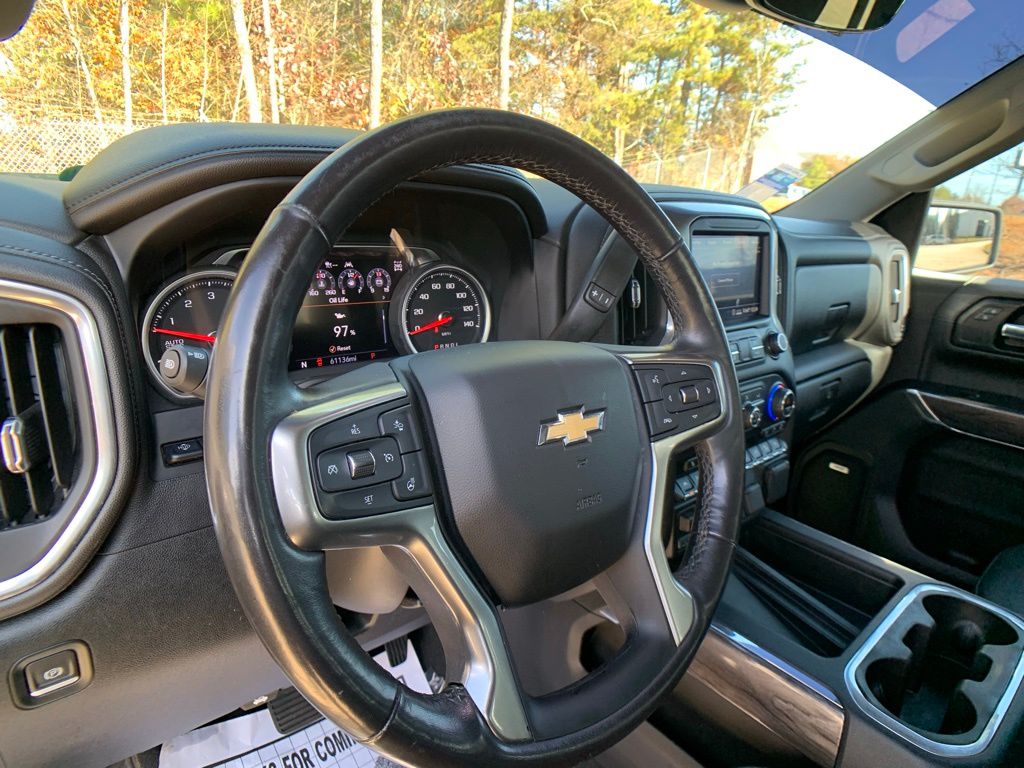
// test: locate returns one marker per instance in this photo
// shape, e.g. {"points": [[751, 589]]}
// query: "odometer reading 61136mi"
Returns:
{"points": [[446, 307]]}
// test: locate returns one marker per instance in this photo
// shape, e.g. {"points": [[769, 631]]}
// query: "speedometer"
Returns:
{"points": [[187, 311], [445, 307]]}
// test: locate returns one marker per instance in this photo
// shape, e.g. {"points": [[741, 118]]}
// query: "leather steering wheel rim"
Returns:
{"points": [[281, 586]]}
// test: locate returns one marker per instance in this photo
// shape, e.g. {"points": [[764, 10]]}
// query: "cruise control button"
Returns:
{"points": [[659, 419], [414, 482], [372, 500], [335, 473], [650, 381], [360, 464], [399, 424]]}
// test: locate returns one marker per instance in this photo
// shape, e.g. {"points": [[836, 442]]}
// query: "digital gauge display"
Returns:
{"points": [[344, 317]]}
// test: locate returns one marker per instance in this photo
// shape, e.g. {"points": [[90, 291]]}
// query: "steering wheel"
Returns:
{"points": [[549, 465]]}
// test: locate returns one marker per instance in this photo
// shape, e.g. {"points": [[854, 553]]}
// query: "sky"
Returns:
{"points": [[841, 106]]}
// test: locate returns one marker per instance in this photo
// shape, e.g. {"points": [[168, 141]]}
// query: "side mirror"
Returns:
{"points": [[831, 15], [959, 237]]}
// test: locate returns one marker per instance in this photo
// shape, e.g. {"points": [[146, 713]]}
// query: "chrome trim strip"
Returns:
{"points": [[99, 409], [486, 669], [895, 726], [676, 601]]}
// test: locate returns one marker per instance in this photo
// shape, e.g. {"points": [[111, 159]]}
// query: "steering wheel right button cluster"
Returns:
{"points": [[677, 396]]}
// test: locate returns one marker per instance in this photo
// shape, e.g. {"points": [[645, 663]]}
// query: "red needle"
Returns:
{"points": [[186, 335], [433, 325]]}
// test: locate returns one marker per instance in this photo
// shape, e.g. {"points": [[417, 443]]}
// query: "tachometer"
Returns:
{"points": [[444, 307], [187, 311]]}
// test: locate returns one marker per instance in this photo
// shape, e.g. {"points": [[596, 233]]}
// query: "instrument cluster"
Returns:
{"points": [[364, 303]]}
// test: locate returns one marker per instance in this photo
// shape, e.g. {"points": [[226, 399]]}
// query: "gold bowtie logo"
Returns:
{"points": [[571, 427]]}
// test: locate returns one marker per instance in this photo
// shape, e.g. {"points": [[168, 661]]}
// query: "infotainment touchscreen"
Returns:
{"points": [[731, 268]]}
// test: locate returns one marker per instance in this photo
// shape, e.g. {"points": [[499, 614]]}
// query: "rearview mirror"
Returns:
{"points": [[833, 15], [13, 15], [959, 237]]}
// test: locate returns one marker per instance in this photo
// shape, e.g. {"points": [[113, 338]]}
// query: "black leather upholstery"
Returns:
{"points": [[249, 392], [1003, 580]]}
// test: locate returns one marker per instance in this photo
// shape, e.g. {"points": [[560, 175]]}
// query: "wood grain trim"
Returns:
{"points": [[778, 700], [975, 419]]}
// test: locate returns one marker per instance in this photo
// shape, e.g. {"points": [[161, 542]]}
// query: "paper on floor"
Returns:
{"points": [[252, 741]]}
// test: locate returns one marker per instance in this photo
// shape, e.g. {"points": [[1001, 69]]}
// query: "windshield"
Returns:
{"points": [[674, 92]]}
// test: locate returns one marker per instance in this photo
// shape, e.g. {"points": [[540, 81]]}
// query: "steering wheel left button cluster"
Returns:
{"points": [[369, 462]]}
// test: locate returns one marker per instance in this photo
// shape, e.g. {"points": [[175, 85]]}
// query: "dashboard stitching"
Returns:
{"points": [[101, 284], [298, 148]]}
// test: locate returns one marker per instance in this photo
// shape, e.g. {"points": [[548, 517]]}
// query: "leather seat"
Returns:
{"points": [[1003, 580]]}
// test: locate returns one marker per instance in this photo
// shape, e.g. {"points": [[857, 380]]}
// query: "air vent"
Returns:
{"points": [[642, 312], [38, 437]]}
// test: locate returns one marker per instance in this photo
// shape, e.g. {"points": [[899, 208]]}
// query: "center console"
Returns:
{"points": [[822, 653], [736, 250]]}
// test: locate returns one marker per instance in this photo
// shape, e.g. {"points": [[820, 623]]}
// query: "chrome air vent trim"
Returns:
{"points": [[95, 477]]}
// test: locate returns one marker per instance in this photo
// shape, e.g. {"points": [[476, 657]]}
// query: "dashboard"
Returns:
{"points": [[461, 256], [372, 302]]}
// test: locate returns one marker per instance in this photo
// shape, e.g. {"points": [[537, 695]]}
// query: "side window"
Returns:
{"points": [[976, 221]]}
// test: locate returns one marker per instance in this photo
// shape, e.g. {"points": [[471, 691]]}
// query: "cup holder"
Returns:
{"points": [[941, 666]]}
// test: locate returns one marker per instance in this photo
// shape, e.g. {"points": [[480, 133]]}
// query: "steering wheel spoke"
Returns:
{"points": [[338, 420]]}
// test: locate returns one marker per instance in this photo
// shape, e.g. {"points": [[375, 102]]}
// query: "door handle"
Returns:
{"points": [[1013, 334]]}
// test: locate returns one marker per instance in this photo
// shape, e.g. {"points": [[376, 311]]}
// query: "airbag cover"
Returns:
{"points": [[538, 519]]}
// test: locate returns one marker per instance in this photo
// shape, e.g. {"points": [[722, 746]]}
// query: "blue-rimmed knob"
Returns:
{"points": [[781, 402]]}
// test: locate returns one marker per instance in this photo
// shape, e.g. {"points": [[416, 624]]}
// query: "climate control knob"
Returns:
{"points": [[752, 416], [781, 402]]}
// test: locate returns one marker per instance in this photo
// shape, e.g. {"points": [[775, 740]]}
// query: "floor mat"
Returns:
{"points": [[252, 741]]}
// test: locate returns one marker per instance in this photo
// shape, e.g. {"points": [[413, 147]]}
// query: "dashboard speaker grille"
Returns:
{"points": [[38, 437]]}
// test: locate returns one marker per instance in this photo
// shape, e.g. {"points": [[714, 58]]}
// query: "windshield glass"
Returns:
{"points": [[676, 93]]}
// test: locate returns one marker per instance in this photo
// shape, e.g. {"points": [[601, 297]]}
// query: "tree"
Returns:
{"points": [[248, 71], [268, 31], [163, 62], [508, 10], [376, 59], [126, 68], [819, 168], [74, 35]]}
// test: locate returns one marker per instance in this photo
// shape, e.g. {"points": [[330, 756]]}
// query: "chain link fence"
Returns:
{"points": [[49, 140]]}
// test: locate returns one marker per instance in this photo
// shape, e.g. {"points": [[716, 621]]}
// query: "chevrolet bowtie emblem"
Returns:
{"points": [[571, 427]]}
